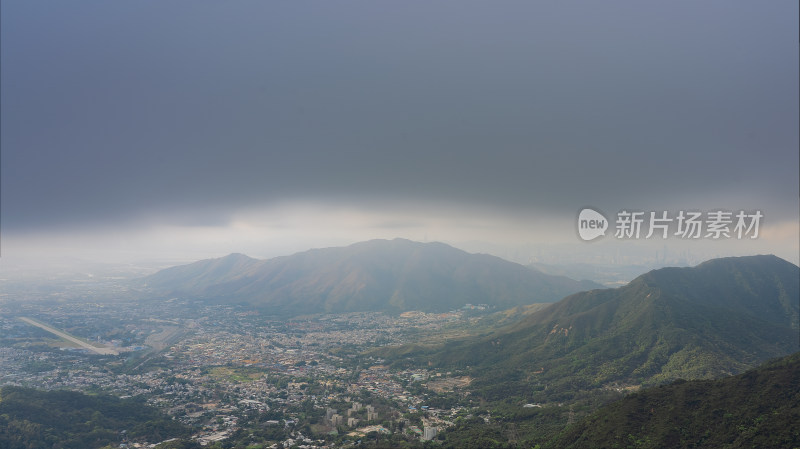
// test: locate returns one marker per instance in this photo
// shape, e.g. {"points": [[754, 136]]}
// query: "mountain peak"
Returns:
{"points": [[203, 273], [749, 260], [376, 275], [237, 257], [740, 283], [720, 317]]}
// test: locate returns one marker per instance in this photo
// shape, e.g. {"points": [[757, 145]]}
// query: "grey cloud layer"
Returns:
{"points": [[191, 111]]}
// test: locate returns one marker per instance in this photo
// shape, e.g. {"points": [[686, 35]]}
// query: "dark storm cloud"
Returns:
{"points": [[189, 111]]}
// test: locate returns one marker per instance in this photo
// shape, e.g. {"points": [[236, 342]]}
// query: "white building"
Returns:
{"points": [[429, 433]]}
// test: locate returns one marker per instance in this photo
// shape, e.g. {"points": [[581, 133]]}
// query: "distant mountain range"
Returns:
{"points": [[756, 409], [378, 275], [719, 318], [608, 274]]}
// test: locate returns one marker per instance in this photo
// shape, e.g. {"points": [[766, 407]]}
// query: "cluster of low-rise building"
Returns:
{"points": [[229, 366]]}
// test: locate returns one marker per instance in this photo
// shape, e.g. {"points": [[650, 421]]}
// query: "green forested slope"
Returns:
{"points": [[717, 319], [378, 275], [760, 408], [33, 419]]}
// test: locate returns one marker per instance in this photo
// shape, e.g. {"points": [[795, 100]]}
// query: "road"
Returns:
{"points": [[65, 336]]}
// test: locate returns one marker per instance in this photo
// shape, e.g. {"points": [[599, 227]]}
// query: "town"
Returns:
{"points": [[232, 374]]}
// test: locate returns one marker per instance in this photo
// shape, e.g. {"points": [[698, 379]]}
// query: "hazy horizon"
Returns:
{"points": [[148, 131]]}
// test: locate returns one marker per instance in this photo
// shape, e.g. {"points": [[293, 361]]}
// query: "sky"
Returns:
{"points": [[192, 129]]}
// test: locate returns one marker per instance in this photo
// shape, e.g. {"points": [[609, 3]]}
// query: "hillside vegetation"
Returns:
{"points": [[33, 419], [760, 408], [719, 318], [378, 275]]}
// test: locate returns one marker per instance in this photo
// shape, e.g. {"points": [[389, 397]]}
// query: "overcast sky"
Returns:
{"points": [[204, 127]]}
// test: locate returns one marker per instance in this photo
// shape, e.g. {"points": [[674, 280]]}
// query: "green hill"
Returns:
{"points": [[378, 275], [760, 408], [33, 419], [719, 318]]}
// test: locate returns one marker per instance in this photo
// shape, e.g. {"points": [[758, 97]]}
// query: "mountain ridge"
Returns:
{"points": [[378, 275], [665, 324]]}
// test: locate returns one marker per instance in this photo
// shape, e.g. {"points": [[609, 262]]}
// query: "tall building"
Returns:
{"points": [[371, 414], [429, 433]]}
